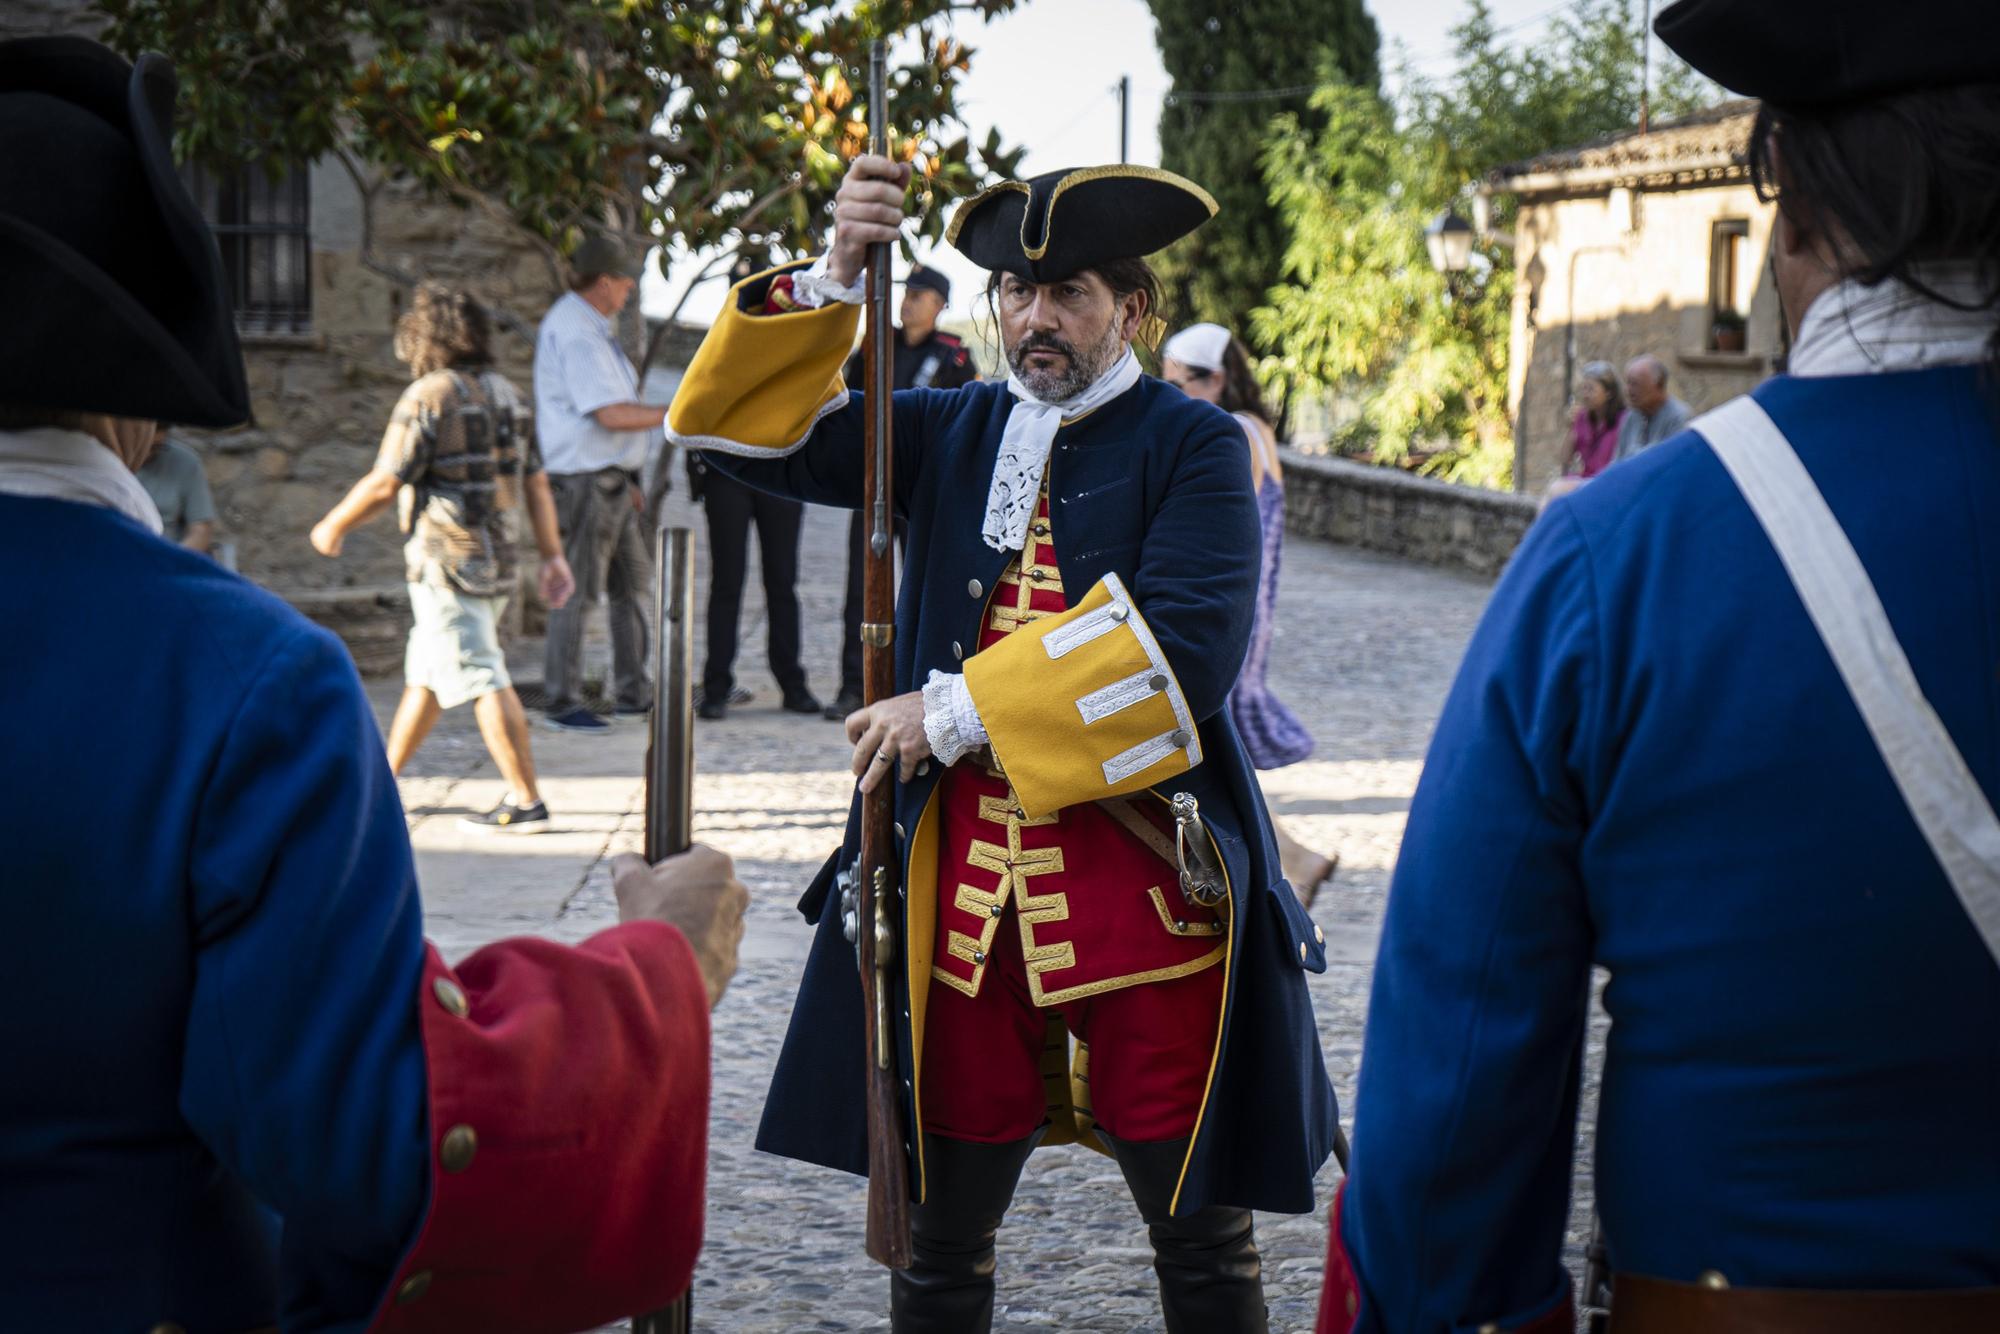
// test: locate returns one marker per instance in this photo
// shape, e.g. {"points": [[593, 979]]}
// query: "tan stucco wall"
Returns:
{"points": [[1641, 284]]}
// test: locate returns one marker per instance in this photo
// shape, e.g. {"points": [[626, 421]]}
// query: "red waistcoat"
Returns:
{"points": [[1096, 899]]}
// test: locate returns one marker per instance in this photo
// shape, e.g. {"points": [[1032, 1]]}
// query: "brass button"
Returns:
{"points": [[1157, 681], [1181, 739], [974, 587], [1353, 1302], [414, 1287], [455, 1153], [995, 910], [899, 829], [923, 767], [167, 1327], [1304, 953], [1712, 1279], [452, 996], [957, 650], [1119, 611], [1319, 935], [1489, 1328], [979, 956], [1180, 924], [1020, 814]]}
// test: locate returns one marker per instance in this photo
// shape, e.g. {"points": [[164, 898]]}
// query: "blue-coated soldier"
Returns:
{"points": [[1730, 731]]}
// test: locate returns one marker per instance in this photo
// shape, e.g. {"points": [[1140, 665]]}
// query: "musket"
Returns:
{"points": [[670, 764], [876, 870]]}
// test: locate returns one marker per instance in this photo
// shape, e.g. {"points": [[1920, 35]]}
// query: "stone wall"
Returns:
{"points": [[1401, 514]]}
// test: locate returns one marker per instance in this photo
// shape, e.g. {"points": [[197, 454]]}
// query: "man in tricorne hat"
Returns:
{"points": [[1731, 731], [1082, 563], [926, 358], [241, 1090], [596, 437]]}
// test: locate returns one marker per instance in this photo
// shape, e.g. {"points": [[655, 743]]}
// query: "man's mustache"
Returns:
{"points": [[1044, 343]]}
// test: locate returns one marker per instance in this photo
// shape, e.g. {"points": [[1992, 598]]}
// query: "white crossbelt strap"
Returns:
{"points": [[1950, 809]]}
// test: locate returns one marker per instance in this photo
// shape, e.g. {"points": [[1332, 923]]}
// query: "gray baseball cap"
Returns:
{"points": [[601, 254]]}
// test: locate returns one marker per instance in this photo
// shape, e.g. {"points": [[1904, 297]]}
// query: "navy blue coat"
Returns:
{"points": [[1649, 763], [1155, 488]]}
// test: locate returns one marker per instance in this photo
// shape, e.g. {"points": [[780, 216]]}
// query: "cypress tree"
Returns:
{"points": [[1216, 52]]}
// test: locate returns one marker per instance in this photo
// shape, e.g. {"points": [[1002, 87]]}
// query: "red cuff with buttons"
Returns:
{"points": [[1341, 1302], [568, 1101]]}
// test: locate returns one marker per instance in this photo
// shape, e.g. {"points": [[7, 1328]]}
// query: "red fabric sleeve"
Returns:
{"points": [[569, 1135], [1340, 1293]]}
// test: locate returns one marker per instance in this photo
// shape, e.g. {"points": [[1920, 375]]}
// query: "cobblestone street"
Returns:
{"points": [[1366, 648]]}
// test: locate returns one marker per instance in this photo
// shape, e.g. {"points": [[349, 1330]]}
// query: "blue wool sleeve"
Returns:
{"points": [[1466, 1113], [304, 1064]]}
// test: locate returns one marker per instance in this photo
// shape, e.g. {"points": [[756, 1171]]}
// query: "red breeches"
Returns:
{"points": [[1150, 1050]]}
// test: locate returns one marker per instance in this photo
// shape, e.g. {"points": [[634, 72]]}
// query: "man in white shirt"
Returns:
{"points": [[595, 436]]}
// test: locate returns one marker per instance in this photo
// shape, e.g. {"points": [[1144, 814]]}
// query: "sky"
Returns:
{"points": [[1044, 75]]}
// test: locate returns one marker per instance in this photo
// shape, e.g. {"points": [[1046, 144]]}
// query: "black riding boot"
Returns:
{"points": [[1211, 1281], [948, 1289]]}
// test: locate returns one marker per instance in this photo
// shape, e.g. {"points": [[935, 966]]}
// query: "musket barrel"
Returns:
{"points": [[670, 754]]}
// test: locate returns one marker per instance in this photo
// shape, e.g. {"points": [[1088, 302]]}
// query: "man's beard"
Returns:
{"points": [[1080, 369]]}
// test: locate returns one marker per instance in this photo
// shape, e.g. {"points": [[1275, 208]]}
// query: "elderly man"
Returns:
{"points": [[595, 436], [1731, 730], [242, 1091], [1083, 547], [1655, 414], [174, 478]]}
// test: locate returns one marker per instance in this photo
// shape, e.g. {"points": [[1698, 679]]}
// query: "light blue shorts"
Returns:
{"points": [[454, 649]]}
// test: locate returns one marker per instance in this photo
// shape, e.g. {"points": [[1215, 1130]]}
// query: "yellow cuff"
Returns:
{"points": [[1083, 706], [760, 383]]}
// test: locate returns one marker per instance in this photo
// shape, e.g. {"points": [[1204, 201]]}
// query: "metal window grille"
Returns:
{"points": [[263, 227]]}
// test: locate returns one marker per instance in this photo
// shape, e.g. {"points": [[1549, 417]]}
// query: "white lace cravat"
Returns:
{"points": [[1024, 450]]}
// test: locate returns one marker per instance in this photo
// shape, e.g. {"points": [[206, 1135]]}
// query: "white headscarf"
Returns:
{"points": [[1202, 346], [69, 465], [1024, 450]]}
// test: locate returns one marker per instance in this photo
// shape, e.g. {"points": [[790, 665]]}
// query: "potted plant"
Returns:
{"points": [[1730, 332]]}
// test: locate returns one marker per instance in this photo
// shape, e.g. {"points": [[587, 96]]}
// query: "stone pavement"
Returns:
{"points": [[1366, 648]]}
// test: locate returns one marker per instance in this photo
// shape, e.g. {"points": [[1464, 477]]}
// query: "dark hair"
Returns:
{"points": [[443, 327], [1606, 376], [1240, 390], [1123, 277], [1902, 180]]}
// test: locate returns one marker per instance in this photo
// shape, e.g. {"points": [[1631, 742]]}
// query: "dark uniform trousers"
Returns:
{"points": [[731, 508]]}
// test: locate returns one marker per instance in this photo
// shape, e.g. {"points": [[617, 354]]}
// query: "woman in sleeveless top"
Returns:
{"points": [[1204, 361]]}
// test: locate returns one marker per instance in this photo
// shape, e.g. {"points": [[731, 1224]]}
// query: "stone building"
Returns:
{"points": [[318, 268], [1638, 243]]}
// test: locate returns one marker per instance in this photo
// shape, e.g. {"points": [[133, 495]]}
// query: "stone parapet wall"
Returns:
{"points": [[1402, 514]]}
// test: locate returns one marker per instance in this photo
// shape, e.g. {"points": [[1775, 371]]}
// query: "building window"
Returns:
{"points": [[263, 226], [1732, 282]]}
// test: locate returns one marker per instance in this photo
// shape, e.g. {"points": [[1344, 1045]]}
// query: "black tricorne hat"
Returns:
{"points": [[1062, 222], [929, 280], [1807, 53], [111, 291]]}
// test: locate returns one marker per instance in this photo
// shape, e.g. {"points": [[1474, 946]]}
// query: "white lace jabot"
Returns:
{"points": [[1024, 450]]}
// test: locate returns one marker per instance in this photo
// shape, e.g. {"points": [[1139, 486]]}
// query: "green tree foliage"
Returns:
{"points": [[685, 123], [1362, 312], [1231, 63]]}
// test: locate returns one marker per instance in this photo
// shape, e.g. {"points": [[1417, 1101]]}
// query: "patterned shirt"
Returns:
{"points": [[462, 443]]}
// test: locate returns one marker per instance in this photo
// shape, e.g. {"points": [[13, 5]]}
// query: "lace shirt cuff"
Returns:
{"points": [[813, 289], [951, 720]]}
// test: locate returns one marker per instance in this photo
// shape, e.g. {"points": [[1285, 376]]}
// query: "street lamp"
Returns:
{"points": [[1450, 238]]}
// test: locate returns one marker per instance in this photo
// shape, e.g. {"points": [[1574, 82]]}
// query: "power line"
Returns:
{"points": [[1243, 95]]}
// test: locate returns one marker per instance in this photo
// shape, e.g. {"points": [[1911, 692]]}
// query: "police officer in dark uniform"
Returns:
{"points": [[926, 358]]}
